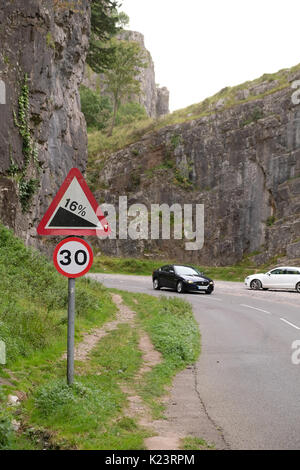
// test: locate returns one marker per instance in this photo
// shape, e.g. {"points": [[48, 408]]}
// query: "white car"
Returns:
{"points": [[285, 277]]}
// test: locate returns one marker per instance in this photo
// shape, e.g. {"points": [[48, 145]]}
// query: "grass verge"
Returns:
{"points": [[174, 332], [92, 413], [235, 273]]}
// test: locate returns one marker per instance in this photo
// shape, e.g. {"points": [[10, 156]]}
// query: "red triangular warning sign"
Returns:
{"points": [[74, 210]]}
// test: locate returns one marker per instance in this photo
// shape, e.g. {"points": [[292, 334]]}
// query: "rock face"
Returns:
{"points": [[47, 42], [154, 99], [242, 162]]}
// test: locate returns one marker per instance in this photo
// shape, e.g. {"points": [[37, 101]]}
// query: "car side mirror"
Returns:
{"points": [[269, 274], [172, 272]]}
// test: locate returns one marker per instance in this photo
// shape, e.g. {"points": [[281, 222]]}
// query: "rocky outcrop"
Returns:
{"points": [[44, 43], [241, 161], [154, 99]]}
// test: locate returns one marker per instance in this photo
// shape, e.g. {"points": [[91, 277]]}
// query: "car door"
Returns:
{"points": [[171, 278], [292, 277], [276, 278], [163, 281]]}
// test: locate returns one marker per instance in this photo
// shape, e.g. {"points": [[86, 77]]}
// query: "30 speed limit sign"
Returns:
{"points": [[73, 257]]}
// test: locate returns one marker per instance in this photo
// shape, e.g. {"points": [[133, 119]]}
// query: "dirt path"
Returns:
{"points": [[91, 339], [183, 417], [137, 409]]}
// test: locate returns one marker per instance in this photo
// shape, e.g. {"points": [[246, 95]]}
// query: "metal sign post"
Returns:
{"points": [[71, 330], [73, 211], [73, 257]]}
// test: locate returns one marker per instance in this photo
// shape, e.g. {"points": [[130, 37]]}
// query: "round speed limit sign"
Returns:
{"points": [[73, 257]]}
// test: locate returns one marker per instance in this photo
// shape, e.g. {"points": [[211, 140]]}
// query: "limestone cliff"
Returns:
{"points": [[154, 99], [240, 158], [43, 46]]}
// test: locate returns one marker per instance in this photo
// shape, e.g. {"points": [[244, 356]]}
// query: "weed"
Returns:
{"points": [[6, 431], [271, 220], [195, 443]]}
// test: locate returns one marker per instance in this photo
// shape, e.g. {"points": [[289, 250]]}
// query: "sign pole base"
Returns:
{"points": [[71, 330]]}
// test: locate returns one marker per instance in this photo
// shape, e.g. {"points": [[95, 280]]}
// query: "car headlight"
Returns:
{"points": [[190, 282], [211, 282]]}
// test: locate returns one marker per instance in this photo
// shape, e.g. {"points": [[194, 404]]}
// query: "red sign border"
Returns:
{"points": [[74, 172], [73, 239]]}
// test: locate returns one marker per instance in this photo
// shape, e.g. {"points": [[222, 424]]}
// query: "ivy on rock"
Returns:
{"points": [[27, 186]]}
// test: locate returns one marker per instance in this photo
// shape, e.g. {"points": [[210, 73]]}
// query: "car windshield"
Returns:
{"points": [[186, 270]]}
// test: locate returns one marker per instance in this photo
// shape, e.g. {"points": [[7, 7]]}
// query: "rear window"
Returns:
{"points": [[292, 271]]}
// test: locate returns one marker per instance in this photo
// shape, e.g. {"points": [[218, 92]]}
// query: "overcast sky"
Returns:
{"points": [[199, 47]]}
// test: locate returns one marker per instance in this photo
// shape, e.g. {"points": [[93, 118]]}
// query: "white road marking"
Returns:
{"points": [[255, 308], [289, 323]]}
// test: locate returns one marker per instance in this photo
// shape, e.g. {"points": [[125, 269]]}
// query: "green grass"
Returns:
{"points": [[33, 300], [91, 414], [33, 317], [195, 443], [236, 273], [174, 332]]}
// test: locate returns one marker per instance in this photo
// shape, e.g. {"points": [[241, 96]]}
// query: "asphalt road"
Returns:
{"points": [[245, 376]]}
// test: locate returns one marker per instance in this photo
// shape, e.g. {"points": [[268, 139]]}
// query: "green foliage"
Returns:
{"points": [[121, 78], [89, 414], [33, 299], [130, 112], [99, 144], [22, 121], [104, 25], [255, 116], [196, 443], [145, 267], [14, 169], [182, 180], [174, 332], [96, 109], [55, 394], [6, 431], [49, 40], [271, 220], [27, 187], [175, 141]]}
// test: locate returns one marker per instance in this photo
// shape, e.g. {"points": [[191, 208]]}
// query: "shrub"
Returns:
{"points": [[56, 394], [130, 112], [96, 109], [6, 431]]}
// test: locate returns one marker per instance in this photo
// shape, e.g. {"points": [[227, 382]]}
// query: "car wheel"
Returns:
{"points": [[156, 285], [208, 292], [179, 287], [298, 287], [255, 284]]}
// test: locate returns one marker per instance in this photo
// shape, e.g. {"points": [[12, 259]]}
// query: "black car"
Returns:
{"points": [[182, 279]]}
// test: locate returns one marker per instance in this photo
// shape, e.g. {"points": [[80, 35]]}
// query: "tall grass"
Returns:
{"points": [[33, 298]]}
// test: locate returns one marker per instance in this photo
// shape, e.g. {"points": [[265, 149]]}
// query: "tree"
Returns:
{"points": [[121, 79], [106, 22], [96, 109]]}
